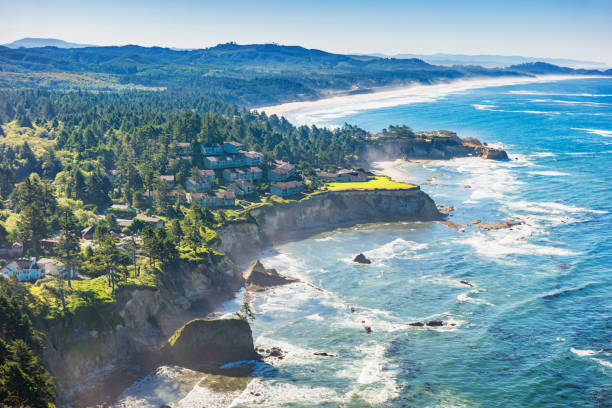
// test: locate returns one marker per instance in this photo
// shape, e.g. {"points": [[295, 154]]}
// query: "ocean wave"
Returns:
{"points": [[520, 92], [550, 207], [602, 362], [467, 297], [584, 353], [320, 111], [398, 248], [549, 173], [569, 102], [511, 244], [600, 132]]}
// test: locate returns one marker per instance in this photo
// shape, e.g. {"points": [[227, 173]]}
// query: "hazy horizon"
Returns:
{"points": [[549, 29]]}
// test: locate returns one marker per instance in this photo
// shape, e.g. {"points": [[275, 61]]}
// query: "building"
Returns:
{"points": [[282, 171], [224, 161], [23, 269], [168, 179], [230, 175], [11, 250], [254, 174], [153, 221], [88, 232], [181, 148], [344, 176], [187, 159], [211, 150], [197, 186], [252, 158], [54, 267], [232, 147], [209, 175], [219, 199], [241, 188], [287, 189]]}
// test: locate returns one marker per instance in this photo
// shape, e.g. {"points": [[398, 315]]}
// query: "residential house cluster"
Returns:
{"points": [[345, 176]]}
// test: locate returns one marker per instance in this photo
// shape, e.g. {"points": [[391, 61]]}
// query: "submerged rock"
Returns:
{"points": [[434, 323], [416, 324], [361, 258], [500, 225], [259, 278], [368, 329], [210, 343], [323, 354], [466, 283]]}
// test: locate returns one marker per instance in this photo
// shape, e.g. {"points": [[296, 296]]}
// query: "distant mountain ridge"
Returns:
{"points": [[494, 61], [249, 75], [29, 42]]}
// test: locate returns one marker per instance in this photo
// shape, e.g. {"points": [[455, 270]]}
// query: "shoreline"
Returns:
{"points": [[318, 111]]}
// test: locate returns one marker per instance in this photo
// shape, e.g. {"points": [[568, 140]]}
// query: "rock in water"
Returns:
{"points": [[361, 258], [434, 323], [210, 343], [260, 278]]}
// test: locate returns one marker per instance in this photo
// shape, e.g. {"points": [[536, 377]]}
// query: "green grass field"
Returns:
{"points": [[379, 183]]}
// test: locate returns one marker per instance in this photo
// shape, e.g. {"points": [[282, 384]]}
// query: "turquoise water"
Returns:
{"points": [[536, 329]]}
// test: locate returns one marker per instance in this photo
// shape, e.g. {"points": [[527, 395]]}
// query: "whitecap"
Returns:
{"points": [[602, 362], [549, 173], [466, 297], [600, 132], [522, 92], [398, 248], [584, 353]]}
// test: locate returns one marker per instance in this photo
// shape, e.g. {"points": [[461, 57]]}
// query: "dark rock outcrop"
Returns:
{"points": [[500, 225], [361, 258], [259, 278], [210, 343], [438, 145]]}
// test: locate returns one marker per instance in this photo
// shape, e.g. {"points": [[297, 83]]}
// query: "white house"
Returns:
{"points": [[23, 269], [53, 267]]}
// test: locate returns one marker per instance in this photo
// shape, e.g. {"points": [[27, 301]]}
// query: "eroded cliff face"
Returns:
{"points": [[440, 145], [322, 212], [87, 353]]}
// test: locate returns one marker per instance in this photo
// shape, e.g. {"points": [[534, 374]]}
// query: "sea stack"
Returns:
{"points": [[361, 258]]}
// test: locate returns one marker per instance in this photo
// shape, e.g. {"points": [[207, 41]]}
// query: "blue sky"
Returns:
{"points": [[580, 29]]}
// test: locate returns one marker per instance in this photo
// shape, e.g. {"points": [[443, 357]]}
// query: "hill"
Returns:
{"points": [[43, 42], [248, 75]]}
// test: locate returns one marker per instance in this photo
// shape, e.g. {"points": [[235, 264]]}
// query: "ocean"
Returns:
{"points": [[535, 327]]}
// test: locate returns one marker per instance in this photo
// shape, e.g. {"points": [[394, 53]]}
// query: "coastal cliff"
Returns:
{"points": [[439, 145], [89, 355], [321, 212]]}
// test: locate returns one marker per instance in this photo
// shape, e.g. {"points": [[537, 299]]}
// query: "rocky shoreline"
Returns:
{"points": [[124, 340]]}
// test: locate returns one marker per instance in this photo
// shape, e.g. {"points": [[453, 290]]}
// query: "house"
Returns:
{"points": [[181, 148], [223, 162], [232, 147], [123, 222], [114, 175], [209, 175], [153, 221], [226, 198], [197, 186], [254, 174], [11, 250], [287, 188], [241, 188], [187, 159], [23, 269], [168, 179], [252, 158], [54, 267], [49, 244], [281, 172], [230, 175], [88, 232], [219, 199], [211, 150], [344, 176]]}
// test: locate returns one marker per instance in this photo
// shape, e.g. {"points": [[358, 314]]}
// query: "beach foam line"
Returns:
{"points": [[318, 111], [520, 92]]}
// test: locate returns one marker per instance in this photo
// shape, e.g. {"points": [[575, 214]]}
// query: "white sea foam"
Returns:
{"points": [[520, 92], [584, 353], [317, 112], [550, 207], [549, 173], [467, 297], [600, 132], [543, 154], [603, 362], [398, 248]]}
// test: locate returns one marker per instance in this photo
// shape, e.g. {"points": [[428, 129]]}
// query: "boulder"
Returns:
{"points": [[260, 278], [466, 283], [434, 323], [210, 343], [500, 225], [416, 324], [361, 258]]}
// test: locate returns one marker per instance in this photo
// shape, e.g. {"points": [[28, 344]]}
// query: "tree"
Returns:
{"points": [[245, 312], [69, 242], [32, 228]]}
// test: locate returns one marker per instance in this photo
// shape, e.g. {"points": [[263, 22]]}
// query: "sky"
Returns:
{"points": [[578, 29]]}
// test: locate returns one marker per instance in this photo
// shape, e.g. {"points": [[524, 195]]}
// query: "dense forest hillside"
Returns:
{"points": [[248, 75]]}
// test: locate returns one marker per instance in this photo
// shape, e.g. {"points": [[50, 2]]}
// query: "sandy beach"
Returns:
{"points": [[321, 111]]}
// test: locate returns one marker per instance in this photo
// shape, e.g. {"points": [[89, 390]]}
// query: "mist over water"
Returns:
{"points": [[536, 327]]}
